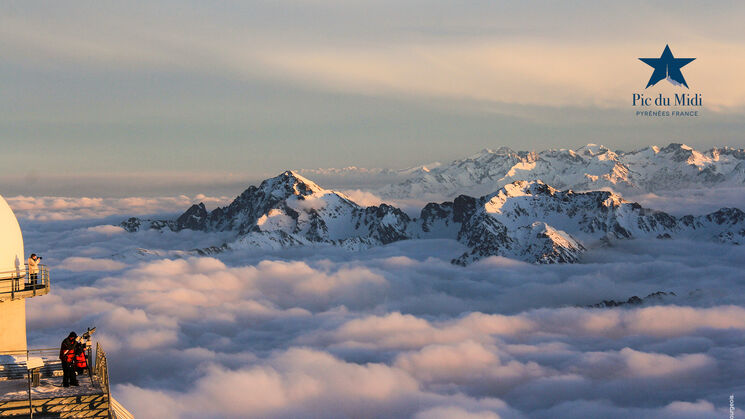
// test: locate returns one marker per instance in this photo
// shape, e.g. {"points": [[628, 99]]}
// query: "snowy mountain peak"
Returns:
{"points": [[290, 183], [593, 150], [524, 188]]}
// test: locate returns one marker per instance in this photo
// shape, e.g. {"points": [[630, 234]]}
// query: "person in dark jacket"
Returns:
{"points": [[67, 356]]}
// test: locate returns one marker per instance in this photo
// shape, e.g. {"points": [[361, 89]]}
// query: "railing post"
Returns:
{"points": [[28, 373]]}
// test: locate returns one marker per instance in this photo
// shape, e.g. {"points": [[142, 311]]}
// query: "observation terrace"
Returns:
{"points": [[38, 392], [17, 284]]}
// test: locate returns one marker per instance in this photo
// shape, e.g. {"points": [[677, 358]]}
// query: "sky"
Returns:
{"points": [[152, 98]]}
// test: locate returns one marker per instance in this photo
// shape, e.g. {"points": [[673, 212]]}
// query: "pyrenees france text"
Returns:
{"points": [[691, 101]]}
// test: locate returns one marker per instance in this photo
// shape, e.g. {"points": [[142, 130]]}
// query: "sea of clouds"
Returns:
{"points": [[395, 331]]}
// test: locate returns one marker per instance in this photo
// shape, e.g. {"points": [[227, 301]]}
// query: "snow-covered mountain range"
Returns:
{"points": [[592, 167], [530, 221]]}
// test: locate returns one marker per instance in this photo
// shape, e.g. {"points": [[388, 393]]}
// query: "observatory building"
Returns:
{"points": [[15, 284], [31, 379]]}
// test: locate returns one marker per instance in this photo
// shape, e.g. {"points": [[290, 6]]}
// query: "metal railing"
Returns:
{"points": [[32, 352], [20, 283], [98, 372], [118, 411], [101, 373], [11, 371], [101, 368]]}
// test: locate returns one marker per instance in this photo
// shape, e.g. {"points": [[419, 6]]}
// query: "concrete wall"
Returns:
{"points": [[12, 258], [13, 325]]}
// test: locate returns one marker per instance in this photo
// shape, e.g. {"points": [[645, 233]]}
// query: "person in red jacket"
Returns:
{"points": [[67, 356], [81, 362]]}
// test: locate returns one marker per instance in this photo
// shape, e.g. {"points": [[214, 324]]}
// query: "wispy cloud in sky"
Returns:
{"points": [[520, 66], [259, 87]]}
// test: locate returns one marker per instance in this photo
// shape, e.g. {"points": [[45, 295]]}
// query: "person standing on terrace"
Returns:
{"points": [[67, 356], [33, 268]]}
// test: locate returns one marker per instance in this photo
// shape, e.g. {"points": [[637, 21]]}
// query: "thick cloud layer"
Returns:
{"points": [[395, 331], [48, 208]]}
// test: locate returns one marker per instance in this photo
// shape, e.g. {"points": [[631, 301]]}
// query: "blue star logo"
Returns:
{"points": [[667, 67]]}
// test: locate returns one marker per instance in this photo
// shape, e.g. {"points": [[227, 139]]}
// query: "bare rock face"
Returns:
{"points": [[195, 218], [655, 297], [525, 220]]}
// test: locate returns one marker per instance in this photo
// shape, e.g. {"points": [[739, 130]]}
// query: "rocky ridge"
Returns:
{"points": [[529, 221]]}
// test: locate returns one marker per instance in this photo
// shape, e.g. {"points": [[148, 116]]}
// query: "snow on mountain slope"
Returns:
{"points": [[592, 167], [295, 206], [529, 221]]}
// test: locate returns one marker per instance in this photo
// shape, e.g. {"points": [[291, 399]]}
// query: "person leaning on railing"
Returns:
{"points": [[33, 268]]}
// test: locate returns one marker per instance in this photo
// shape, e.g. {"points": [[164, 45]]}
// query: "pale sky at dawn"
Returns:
{"points": [[114, 98]]}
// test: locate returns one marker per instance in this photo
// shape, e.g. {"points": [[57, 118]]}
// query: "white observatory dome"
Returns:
{"points": [[11, 240]]}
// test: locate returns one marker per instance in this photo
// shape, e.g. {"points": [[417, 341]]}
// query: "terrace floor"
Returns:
{"points": [[49, 387]]}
